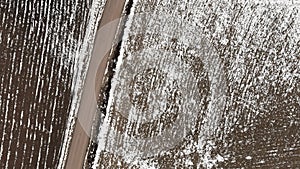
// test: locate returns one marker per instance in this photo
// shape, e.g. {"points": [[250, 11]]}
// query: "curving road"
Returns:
{"points": [[87, 109]]}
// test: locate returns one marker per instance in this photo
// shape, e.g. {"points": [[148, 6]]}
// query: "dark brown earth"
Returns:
{"points": [[35, 80]]}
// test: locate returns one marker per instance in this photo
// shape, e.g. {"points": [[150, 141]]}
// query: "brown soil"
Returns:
{"points": [[35, 84]]}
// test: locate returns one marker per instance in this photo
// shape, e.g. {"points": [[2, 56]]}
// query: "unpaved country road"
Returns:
{"points": [[87, 109]]}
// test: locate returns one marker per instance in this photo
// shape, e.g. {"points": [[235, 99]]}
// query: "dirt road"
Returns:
{"points": [[104, 39]]}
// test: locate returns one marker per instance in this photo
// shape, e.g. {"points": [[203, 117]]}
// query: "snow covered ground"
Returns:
{"points": [[192, 74]]}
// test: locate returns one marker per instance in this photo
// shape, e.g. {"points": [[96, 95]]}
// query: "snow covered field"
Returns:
{"points": [[205, 84]]}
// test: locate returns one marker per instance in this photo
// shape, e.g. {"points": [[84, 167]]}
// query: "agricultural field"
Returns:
{"points": [[204, 84], [149, 84], [43, 48]]}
